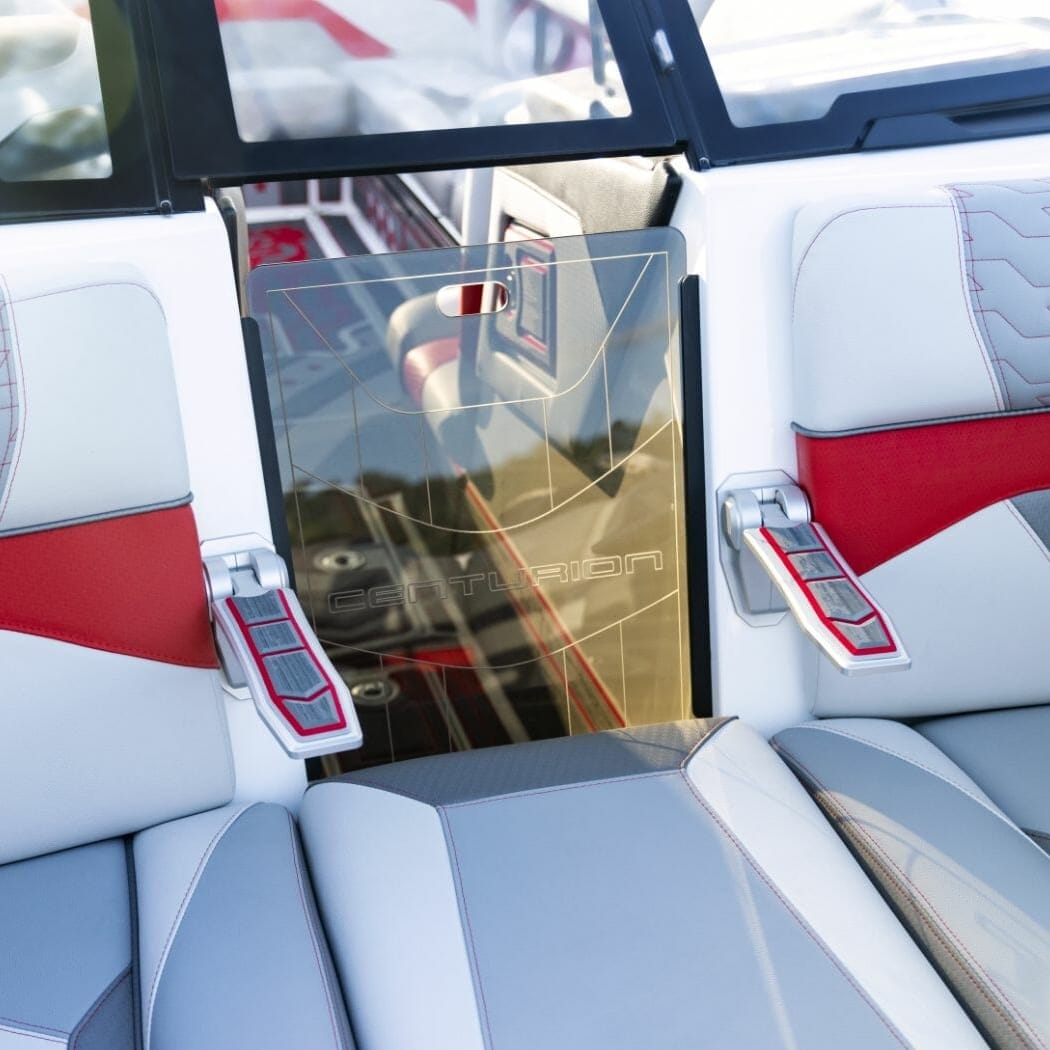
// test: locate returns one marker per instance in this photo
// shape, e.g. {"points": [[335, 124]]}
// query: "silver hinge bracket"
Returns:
{"points": [[750, 501]]}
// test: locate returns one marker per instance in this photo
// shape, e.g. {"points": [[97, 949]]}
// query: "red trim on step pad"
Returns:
{"points": [[131, 585], [880, 494]]}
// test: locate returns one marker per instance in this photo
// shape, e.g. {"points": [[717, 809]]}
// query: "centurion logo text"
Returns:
{"points": [[472, 583]]}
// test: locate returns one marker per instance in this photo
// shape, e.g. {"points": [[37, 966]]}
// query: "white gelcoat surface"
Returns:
{"points": [[738, 223]]}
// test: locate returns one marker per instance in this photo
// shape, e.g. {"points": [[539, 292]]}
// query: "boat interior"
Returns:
{"points": [[530, 554]]}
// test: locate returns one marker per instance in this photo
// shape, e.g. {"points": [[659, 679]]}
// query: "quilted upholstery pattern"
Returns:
{"points": [[10, 411], [1006, 246], [1006, 242]]}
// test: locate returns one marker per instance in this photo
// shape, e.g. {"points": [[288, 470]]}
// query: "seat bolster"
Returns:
{"points": [[371, 924], [971, 886], [1006, 751], [231, 949], [768, 811]]}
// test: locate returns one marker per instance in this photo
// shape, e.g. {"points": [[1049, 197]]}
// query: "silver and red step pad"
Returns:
{"points": [[827, 599], [268, 646]]}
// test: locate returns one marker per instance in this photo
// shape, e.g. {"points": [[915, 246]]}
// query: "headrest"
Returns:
{"points": [[110, 681], [921, 348], [89, 419], [884, 324]]}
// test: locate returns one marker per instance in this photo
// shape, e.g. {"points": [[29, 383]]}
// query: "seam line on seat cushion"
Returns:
{"points": [[1028, 530], [336, 1041], [58, 1040], [462, 898], [956, 947], [841, 215], [17, 349], [998, 814], [1041, 836], [810, 932], [718, 723], [180, 914], [973, 295], [42, 1031], [175, 503], [962, 231], [87, 286], [83, 1023]]}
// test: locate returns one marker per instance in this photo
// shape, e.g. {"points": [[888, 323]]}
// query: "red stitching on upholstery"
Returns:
{"points": [[337, 1042], [881, 858], [91, 284]]}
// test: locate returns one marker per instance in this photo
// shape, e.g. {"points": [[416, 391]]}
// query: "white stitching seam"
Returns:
{"points": [[926, 769], [44, 1038], [998, 393], [181, 913]]}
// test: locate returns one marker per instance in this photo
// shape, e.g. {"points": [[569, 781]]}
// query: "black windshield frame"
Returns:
{"points": [[135, 186], [205, 142], [962, 110]]}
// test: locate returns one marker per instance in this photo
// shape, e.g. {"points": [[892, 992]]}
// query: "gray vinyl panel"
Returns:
{"points": [[108, 1024], [618, 915], [65, 938], [973, 889], [1007, 753], [542, 764], [1034, 507], [249, 964]]}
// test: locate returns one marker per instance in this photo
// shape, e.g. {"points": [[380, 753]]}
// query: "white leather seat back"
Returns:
{"points": [[111, 717], [922, 378]]}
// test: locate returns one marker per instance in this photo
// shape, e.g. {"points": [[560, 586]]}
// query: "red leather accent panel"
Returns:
{"points": [[421, 361], [130, 585], [882, 493]]}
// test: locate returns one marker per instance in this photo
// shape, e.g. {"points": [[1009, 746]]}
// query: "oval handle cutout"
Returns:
{"points": [[468, 300]]}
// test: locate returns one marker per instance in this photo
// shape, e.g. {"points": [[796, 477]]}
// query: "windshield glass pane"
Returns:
{"points": [[778, 62], [52, 124], [324, 68], [481, 460]]}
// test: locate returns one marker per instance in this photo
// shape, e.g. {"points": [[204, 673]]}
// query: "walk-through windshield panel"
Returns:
{"points": [[52, 124], [778, 62], [265, 88], [486, 509], [416, 65]]}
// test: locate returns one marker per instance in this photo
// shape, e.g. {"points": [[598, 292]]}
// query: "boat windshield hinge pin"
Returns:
{"points": [[663, 52]]}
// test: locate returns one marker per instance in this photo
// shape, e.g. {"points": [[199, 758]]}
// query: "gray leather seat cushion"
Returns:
{"points": [[65, 951], [638, 888], [231, 952], [1006, 753], [971, 886]]}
